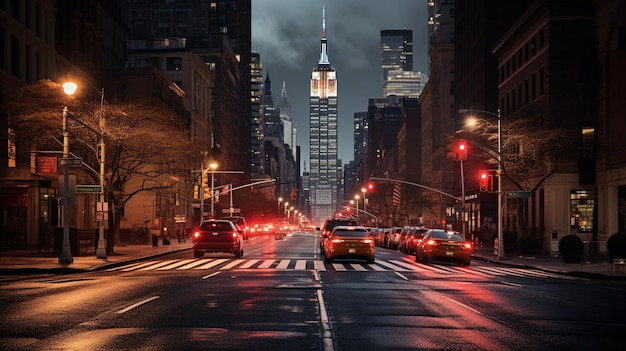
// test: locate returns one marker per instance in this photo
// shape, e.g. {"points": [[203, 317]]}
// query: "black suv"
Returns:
{"points": [[331, 223]]}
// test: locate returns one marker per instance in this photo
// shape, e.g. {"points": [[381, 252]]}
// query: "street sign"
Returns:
{"points": [[72, 161], [87, 188], [231, 210], [517, 194]]}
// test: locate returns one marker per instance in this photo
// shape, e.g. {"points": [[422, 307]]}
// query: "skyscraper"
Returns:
{"points": [[323, 138], [396, 51]]}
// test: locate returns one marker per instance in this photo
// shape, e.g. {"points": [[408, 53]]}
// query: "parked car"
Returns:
{"points": [[217, 236], [444, 245], [394, 238], [348, 242], [330, 224], [240, 222], [415, 236]]}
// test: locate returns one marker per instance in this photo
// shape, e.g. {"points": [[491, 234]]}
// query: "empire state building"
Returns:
{"points": [[323, 139]]}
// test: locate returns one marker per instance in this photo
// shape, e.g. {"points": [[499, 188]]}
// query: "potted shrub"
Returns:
{"points": [[528, 245], [616, 245], [571, 248]]}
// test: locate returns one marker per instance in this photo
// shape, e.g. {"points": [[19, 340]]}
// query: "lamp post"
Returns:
{"points": [[280, 199], [356, 200], [101, 252], [285, 212], [498, 174], [211, 169], [66, 253]]}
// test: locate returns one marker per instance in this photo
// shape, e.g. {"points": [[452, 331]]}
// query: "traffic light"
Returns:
{"points": [[370, 186], [483, 181], [206, 190], [461, 150], [450, 146]]}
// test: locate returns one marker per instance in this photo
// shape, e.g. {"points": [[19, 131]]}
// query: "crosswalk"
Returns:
{"points": [[223, 264]]}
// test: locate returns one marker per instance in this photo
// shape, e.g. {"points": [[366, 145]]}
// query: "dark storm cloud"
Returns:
{"points": [[287, 33]]}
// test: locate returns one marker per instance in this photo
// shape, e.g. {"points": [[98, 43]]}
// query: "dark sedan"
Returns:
{"points": [[217, 236]]}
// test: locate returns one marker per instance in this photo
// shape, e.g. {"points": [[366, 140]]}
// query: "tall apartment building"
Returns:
{"points": [[323, 138], [256, 120]]}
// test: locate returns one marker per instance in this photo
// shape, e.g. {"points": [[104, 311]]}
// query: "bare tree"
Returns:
{"points": [[147, 145]]}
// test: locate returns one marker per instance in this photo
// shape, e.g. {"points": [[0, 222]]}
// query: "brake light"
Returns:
{"points": [[431, 242], [467, 245], [367, 241], [196, 234], [234, 235], [336, 241]]}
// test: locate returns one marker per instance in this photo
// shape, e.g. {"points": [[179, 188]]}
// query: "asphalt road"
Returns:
{"points": [[281, 296]]}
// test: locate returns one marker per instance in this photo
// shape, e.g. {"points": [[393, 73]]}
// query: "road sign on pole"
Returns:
{"points": [[518, 194], [87, 188], [71, 161]]}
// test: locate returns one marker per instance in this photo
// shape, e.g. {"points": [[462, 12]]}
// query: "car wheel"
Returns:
{"points": [[239, 253], [466, 263], [371, 260], [328, 259], [197, 254]]}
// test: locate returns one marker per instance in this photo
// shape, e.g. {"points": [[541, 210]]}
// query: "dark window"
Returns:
{"points": [[15, 56], [174, 63], [542, 82]]}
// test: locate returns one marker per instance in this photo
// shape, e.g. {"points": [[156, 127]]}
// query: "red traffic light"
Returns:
{"points": [[370, 186], [461, 150], [483, 181]]}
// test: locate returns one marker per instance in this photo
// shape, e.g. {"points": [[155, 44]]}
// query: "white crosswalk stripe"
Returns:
{"points": [[404, 265]]}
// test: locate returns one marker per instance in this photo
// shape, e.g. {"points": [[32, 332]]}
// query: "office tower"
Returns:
{"points": [[396, 51], [256, 123], [323, 138], [289, 129]]}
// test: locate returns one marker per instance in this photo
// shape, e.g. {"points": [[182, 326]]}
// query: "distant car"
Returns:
{"points": [[261, 229], [217, 236], [443, 245], [349, 242], [240, 222], [330, 224]]}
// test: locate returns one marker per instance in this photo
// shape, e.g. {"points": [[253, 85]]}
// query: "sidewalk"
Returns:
{"points": [[29, 261], [594, 267]]}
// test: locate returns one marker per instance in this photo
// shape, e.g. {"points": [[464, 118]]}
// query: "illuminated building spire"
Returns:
{"points": [[323, 46]]}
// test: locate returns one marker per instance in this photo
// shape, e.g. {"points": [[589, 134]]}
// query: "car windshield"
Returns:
{"points": [[351, 233], [440, 234], [216, 226]]}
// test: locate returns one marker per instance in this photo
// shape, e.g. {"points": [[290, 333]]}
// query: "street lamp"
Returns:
{"points": [[285, 212], [280, 199], [498, 173], [66, 253], [211, 169], [356, 200]]}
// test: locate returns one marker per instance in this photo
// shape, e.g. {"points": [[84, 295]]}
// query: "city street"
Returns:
{"points": [[282, 296]]}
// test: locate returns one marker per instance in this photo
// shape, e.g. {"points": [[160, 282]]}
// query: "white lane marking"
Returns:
{"points": [[195, 263], [266, 264], [248, 264], [211, 275], [283, 264], [157, 265], [174, 265], [231, 264], [300, 264], [358, 267], [212, 263], [327, 335], [137, 304]]}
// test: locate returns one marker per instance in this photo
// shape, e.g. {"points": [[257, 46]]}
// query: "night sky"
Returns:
{"points": [[287, 34]]}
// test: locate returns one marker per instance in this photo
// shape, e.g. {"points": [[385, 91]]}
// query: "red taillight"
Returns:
{"points": [[234, 235], [196, 234], [467, 245], [367, 241], [431, 242], [336, 241]]}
